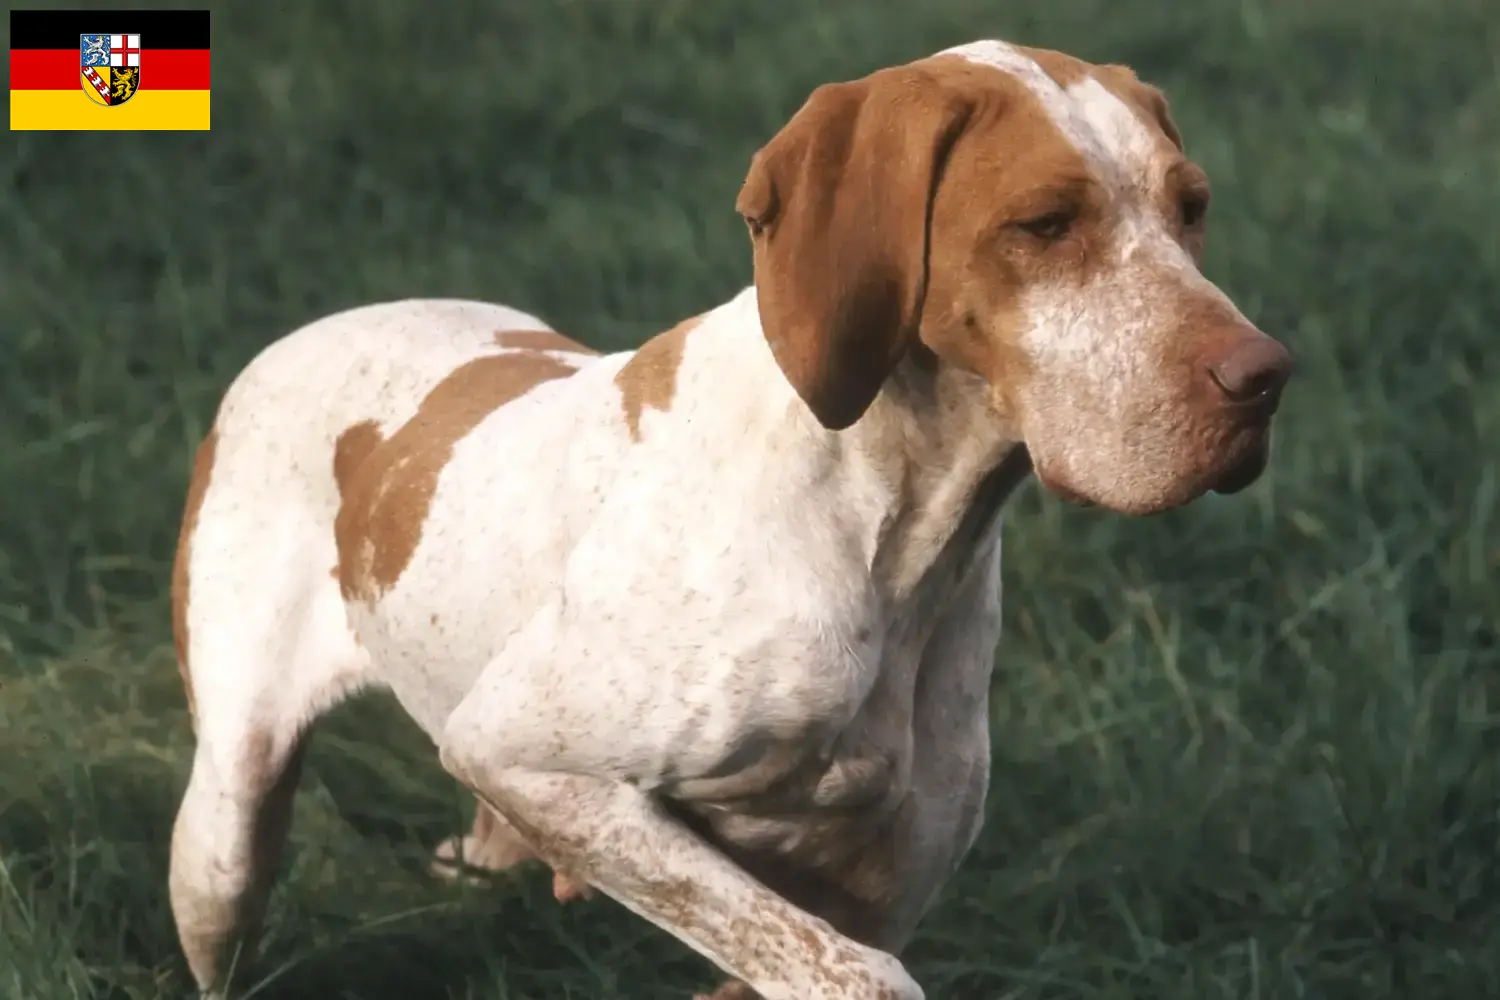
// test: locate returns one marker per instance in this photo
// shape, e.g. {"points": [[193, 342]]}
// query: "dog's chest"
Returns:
{"points": [[827, 830], [863, 832]]}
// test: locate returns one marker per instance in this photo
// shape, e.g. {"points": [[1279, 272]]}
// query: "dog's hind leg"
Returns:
{"points": [[226, 844], [264, 646]]}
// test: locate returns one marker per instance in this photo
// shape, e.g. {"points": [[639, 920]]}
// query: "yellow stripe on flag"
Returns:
{"points": [[72, 110]]}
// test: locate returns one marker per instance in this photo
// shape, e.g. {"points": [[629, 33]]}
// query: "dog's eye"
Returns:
{"points": [[1050, 227], [1194, 207]]}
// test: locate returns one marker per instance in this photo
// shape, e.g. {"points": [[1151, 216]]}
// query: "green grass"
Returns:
{"points": [[1243, 750]]}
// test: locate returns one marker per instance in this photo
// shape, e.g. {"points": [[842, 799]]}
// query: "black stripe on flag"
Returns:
{"points": [[59, 29]]}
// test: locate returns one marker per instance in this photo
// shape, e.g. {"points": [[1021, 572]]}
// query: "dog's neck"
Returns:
{"points": [[925, 470], [958, 460]]}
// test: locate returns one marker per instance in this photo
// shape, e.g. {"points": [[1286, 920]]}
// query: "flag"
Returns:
{"points": [[108, 69]]}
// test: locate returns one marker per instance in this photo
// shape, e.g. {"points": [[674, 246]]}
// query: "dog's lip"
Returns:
{"points": [[1243, 474], [1236, 482]]}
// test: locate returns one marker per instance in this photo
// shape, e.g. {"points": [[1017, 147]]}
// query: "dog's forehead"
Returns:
{"points": [[1114, 135]]}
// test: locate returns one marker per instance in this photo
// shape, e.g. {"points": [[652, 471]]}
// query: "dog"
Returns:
{"points": [[709, 626]]}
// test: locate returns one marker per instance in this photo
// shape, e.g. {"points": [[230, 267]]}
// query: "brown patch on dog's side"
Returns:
{"points": [[203, 464], [540, 340], [649, 378], [386, 497], [351, 450], [356, 444]]}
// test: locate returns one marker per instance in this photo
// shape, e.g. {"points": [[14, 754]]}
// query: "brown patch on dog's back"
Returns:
{"points": [[386, 497], [203, 464], [649, 378], [540, 340]]}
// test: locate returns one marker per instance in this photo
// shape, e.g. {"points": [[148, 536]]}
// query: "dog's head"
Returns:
{"points": [[1031, 219]]}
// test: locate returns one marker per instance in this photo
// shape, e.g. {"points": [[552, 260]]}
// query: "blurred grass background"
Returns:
{"points": [[1244, 750]]}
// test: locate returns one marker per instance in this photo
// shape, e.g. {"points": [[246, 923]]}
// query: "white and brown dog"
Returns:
{"points": [[709, 625]]}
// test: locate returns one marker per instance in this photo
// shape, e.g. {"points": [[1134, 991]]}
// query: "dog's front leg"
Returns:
{"points": [[617, 838]]}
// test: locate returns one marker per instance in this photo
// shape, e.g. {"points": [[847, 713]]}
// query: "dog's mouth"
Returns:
{"points": [[1246, 460], [1245, 470]]}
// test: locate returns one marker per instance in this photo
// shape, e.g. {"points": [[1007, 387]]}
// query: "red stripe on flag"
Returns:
{"points": [[174, 69], [59, 69], [43, 69]]}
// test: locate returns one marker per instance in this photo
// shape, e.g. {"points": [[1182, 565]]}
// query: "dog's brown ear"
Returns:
{"points": [[839, 204]]}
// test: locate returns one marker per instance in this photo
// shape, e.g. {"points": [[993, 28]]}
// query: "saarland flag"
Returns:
{"points": [[108, 69]]}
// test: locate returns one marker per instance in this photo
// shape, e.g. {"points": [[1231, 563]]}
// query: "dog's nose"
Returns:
{"points": [[1255, 370]]}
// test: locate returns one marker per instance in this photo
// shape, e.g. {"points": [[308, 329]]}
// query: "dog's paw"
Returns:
{"points": [[565, 890], [466, 859], [494, 846], [453, 861], [470, 859]]}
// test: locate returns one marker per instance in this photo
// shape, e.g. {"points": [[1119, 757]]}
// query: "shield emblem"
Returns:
{"points": [[110, 67]]}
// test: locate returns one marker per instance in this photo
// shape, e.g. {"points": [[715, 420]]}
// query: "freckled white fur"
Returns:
{"points": [[636, 612], [592, 622]]}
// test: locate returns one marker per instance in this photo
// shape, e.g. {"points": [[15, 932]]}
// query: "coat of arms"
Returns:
{"points": [[111, 67]]}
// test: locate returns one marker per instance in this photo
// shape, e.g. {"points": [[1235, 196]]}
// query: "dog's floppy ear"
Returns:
{"points": [[839, 204]]}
